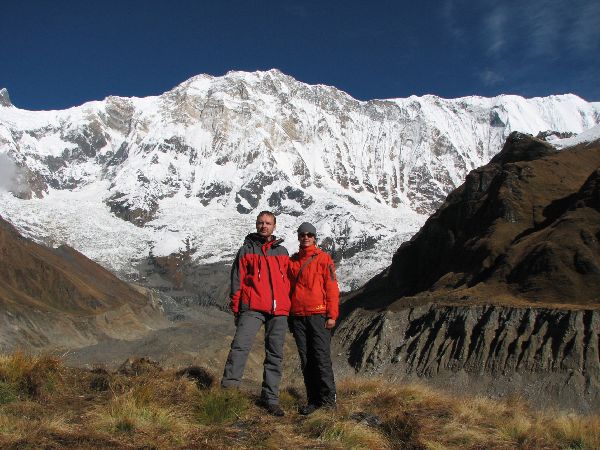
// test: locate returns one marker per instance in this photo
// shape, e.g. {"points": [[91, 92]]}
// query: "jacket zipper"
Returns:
{"points": [[274, 302]]}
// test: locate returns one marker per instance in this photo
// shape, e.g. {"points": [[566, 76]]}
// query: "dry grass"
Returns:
{"points": [[574, 432], [23, 375], [45, 405], [220, 407], [334, 430], [128, 413]]}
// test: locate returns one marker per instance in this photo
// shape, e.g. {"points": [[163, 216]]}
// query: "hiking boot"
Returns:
{"points": [[329, 406], [275, 410], [308, 409]]}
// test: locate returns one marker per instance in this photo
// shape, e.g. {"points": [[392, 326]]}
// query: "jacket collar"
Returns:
{"points": [[308, 251], [255, 238]]}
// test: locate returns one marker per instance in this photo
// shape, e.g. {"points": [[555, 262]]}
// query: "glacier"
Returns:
{"points": [[116, 177]]}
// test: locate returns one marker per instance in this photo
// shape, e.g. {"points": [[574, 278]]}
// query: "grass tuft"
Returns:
{"points": [[204, 379], [403, 430], [8, 392], [132, 412], [221, 406], [33, 376], [575, 432], [290, 398], [327, 427]]}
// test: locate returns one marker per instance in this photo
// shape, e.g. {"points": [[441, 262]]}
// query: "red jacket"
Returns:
{"points": [[259, 276], [316, 291]]}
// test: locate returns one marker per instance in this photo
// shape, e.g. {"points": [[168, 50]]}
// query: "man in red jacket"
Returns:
{"points": [[260, 296], [315, 306]]}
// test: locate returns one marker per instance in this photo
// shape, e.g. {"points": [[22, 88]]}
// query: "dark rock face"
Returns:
{"points": [[495, 120], [4, 98], [19, 179], [589, 194], [302, 199], [339, 247], [550, 356], [88, 140], [517, 222], [30, 184], [212, 191], [521, 147], [424, 194], [113, 159], [499, 291], [175, 145], [252, 192], [119, 114], [121, 207], [544, 135]]}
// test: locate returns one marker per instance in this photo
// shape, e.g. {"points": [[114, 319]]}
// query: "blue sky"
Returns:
{"points": [[57, 54]]}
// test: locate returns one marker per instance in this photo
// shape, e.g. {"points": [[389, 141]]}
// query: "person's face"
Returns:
{"points": [[265, 225], [306, 239]]}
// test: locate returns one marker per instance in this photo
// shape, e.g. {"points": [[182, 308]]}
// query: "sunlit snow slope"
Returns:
{"points": [[113, 177]]}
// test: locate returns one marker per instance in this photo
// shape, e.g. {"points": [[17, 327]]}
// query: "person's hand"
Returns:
{"points": [[329, 324]]}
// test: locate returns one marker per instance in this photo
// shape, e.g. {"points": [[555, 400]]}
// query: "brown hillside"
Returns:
{"points": [[59, 297], [524, 229]]}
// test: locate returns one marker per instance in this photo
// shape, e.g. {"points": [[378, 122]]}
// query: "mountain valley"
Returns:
{"points": [[467, 247]]}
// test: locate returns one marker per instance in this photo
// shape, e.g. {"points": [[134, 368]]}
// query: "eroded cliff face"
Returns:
{"points": [[548, 356], [499, 292]]}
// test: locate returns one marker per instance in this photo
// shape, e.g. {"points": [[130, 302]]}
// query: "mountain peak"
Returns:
{"points": [[522, 147], [225, 147], [5, 98], [273, 71]]}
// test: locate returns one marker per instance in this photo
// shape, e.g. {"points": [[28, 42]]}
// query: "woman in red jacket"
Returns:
{"points": [[314, 309]]}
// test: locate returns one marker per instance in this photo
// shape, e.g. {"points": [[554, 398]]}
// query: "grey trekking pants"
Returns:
{"points": [[248, 325]]}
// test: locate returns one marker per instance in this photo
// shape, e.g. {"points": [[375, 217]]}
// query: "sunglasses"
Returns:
{"points": [[301, 235]]}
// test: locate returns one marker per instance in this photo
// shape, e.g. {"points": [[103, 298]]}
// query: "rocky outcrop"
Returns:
{"points": [[292, 201], [525, 227], [499, 292], [549, 356], [5, 98], [122, 207]]}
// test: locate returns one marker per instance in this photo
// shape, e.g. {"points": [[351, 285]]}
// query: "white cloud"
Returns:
{"points": [[495, 29], [543, 22], [491, 77], [584, 36], [448, 13], [542, 28]]}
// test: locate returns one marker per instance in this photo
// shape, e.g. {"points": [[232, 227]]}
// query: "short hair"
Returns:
{"points": [[267, 213]]}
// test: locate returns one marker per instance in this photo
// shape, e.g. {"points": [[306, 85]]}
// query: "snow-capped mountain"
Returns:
{"points": [[114, 177]]}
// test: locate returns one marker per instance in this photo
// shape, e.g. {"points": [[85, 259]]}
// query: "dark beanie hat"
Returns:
{"points": [[306, 227]]}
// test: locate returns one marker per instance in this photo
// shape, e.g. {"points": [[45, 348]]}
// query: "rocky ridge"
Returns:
{"points": [[499, 290], [159, 169]]}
